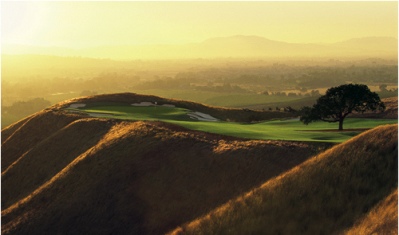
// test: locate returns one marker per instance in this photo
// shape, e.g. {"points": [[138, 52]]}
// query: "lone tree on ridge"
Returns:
{"points": [[340, 101]]}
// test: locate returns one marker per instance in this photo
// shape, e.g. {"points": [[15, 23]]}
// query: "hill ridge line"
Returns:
{"points": [[276, 181], [25, 121], [63, 172], [43, 141]]}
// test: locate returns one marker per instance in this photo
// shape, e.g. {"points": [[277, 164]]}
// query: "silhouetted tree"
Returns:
{"points": [[340, 101]]}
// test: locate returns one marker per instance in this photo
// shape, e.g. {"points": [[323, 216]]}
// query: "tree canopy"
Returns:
{"points": [[339, 102]]}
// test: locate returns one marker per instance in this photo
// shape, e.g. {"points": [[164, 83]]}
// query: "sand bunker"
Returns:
{"points": [[202, 117], [77, 105]]}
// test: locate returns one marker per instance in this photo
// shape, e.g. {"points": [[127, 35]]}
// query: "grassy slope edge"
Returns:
{"points": [[109, 176], [324, 195], [232, 114], [382, 219]]}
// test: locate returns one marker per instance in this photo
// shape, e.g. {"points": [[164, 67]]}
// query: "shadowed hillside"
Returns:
{"points": [[69, 173], [29, 132], [382, 219], [64, 173], [324, 195]]}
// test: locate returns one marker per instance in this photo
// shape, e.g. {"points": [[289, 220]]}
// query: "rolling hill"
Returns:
{"points": [[382, 219], [68, 173], [326, 194], [231, 114]]}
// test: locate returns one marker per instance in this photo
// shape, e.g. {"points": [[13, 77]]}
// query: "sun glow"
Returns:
{"points": [[23, 22], [88, 24]]}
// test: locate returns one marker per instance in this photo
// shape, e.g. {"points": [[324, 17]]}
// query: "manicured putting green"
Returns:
{"points": [[139, 113], [291, 129]]}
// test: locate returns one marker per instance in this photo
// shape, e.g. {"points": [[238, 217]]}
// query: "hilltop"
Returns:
{"points": [[64, 172], [231, 114], [243, 123], [326, 194]]}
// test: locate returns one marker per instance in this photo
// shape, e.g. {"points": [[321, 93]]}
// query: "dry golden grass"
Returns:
{"points": [[24, 135], [64, 173], [81, 175], [382, 219], [324, 195]]}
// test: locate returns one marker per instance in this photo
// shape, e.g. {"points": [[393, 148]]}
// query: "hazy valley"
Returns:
{"points": [[31, 82], [199, 117], [198, 146], [238, 46]]}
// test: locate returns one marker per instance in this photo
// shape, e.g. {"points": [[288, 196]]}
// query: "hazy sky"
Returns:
{"points": [[82, 24]]}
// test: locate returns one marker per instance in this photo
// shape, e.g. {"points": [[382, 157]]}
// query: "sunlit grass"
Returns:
{"points": [[150, 176], [289, 129], [382, 219], [141, 113], [324, 195]]}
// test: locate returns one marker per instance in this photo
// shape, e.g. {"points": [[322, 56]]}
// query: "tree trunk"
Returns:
{"points": [[341, 124]]}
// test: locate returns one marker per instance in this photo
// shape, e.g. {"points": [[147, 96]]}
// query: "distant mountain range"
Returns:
{"points": [[227, 47]]}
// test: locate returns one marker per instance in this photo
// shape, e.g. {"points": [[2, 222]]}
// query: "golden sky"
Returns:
{"points": [[85, 24]]}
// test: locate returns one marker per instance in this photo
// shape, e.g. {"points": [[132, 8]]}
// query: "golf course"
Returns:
{"points": [[290, 129]]}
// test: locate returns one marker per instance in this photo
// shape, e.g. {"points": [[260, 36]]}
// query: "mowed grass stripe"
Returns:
{"points": [[291, 129], [141, 113]]}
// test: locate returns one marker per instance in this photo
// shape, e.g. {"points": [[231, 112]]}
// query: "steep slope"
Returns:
{"points": [[20, 137], [71, 174], [324, 195], [382, 219]]}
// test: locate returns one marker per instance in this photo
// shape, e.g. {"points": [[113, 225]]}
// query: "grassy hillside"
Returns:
{"points": [[29, 132], [324, 195], [382, 219], [287, 129], [232, 114], [68, 174]]}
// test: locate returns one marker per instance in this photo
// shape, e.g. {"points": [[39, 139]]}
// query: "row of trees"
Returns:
{"points": [[292, 94]]}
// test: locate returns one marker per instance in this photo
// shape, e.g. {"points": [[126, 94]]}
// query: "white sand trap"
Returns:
{"points": [[202, 117], [144, 104], [77, 105]]}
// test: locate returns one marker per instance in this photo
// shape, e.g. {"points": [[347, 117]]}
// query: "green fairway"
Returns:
{"points": [[139, 113], [291, 129]]}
